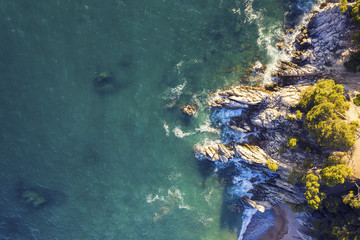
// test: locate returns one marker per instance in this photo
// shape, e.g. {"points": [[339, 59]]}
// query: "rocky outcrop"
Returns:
{"points": [[238, 97], [189, 110], [325, 29], [218, 152], [253, 204], [317, 47], [268, 113]]}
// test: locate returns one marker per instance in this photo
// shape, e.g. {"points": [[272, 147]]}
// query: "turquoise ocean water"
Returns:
{"points": [[121, 165]]}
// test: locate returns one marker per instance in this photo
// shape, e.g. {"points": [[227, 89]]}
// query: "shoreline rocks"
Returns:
{"points": [[268, 113]]}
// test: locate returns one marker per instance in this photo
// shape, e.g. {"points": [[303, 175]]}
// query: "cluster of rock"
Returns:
{"points": [[325, 29], [266, 112], [317, 47], [189, 110]]}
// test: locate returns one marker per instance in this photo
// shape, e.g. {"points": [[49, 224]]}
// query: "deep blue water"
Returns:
{"points": [[120, 165]]}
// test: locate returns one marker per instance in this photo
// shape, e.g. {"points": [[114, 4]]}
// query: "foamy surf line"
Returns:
{"points": [[248, 214], [267, 35]]}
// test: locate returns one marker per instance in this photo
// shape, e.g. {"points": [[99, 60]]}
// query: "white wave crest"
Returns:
{"points": [[166, 127], [180, 134], [249, 12], [150, 198], [172, 95], [206, 127], [224, 115], [236, 11]]}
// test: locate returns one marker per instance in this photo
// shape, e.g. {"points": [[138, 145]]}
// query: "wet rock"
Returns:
{"points": [[258, 67], [238, 97], [252, 154], [271, 87], [280, 45], [217, 152], [189, 110], [253, 204]]}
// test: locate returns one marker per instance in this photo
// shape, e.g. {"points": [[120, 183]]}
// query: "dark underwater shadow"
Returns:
{"points": [[206, 169], [34, 197], [230, 218], [231, 209], [13, 227]]}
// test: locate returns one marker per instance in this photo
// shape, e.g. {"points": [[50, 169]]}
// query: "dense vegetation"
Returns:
{"points": [[325, 106], [337, 213], [336, 216], [337, 220]]}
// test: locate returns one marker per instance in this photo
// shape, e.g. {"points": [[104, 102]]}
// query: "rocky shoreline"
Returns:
{"points": [[265, 116]]}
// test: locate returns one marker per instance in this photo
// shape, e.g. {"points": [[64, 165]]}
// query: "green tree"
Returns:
{"points": [[324, 91], [325, 105], [335, 174], [312, 193]]}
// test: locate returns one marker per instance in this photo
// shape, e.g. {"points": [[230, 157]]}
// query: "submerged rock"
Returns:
{"points": [[105, 83], [34, 198], [37, 197]]}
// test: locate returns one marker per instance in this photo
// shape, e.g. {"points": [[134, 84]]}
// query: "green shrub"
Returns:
{"points": [[299, 114], [272, 165], [308, 150], [324, 91], [353, 65], [335, 159], [356, 38], [357, 100], [290, 118], [335, 174], [307, 164], [292, 143], [352, 199], [343, 5]]}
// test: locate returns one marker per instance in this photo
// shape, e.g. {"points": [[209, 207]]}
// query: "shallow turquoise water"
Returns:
{"points": [[121, 165]]}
